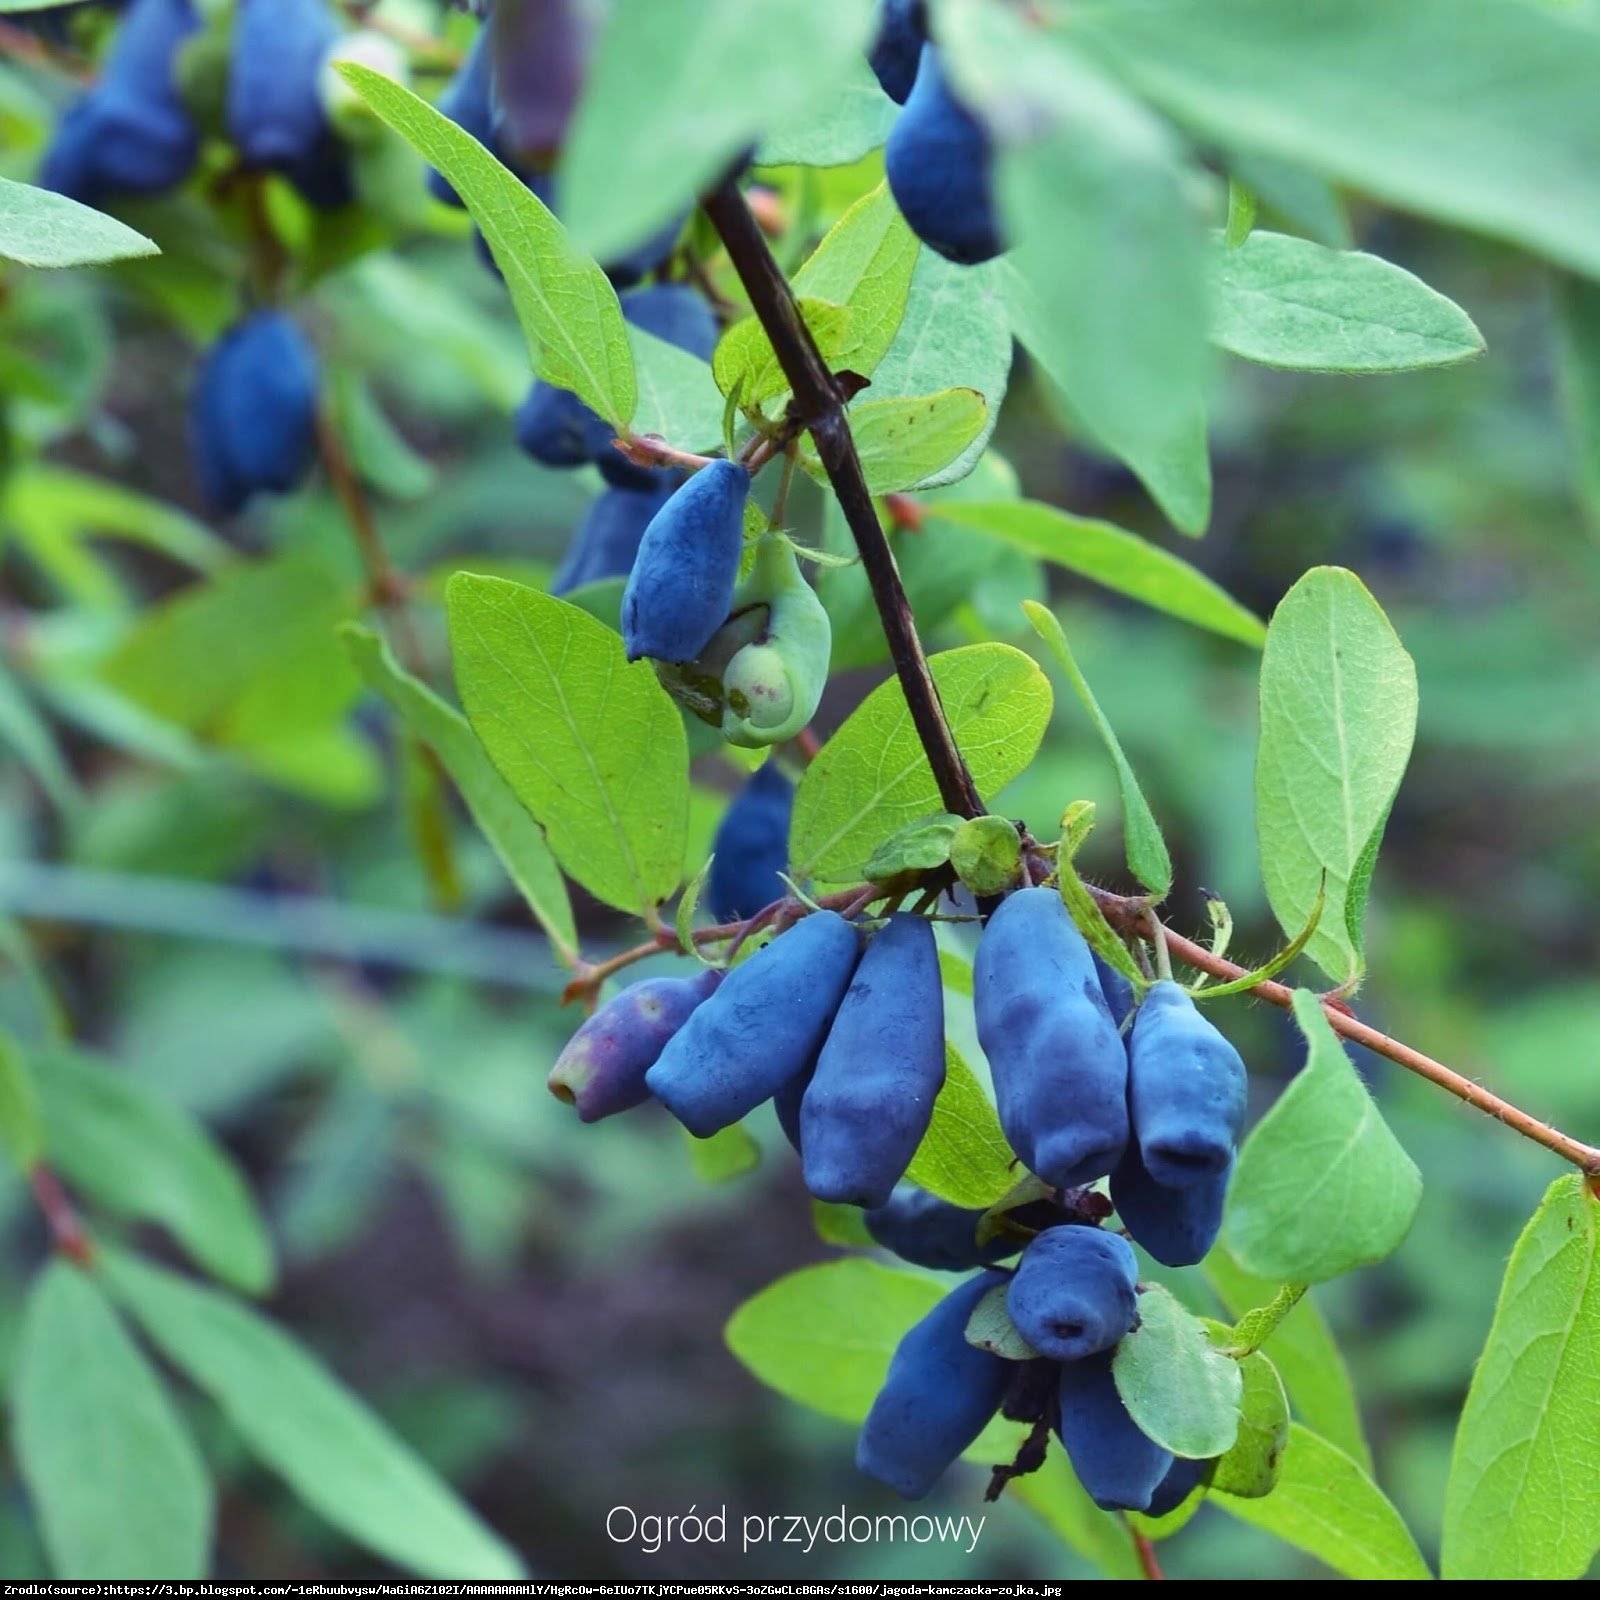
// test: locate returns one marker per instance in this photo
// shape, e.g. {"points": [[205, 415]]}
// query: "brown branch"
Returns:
{"points": [[818, 402], [1146, 1550], [60, 1215], [591, 975], [1130, 915]]}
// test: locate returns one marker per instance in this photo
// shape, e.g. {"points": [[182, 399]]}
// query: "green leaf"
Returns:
{"points": [[727, 1154], [41, 229], [744, 359], [905, 442], [835, 130], [841, 1225], [719, 74], [1181, 1390], [1338, 714], [1250, 1467], [139, 1155], [515, 837], [986, 854], [955, 333], [247, 661], [1577, 305], [1146, 849], [1303, 199], [21, 1132], [566, 306], [1490, 126], [1056, 1497], [590, 744], [678, 396], [1108, 555], [1327, 1506], [1304, 1352], [1106, 276], [120, 1490], [377, 449], [1322, 1185], [824, 1335], [872, 777], [956, 971], [864, 263], [27, 735], [299, 1420], [1287, 302], [990, 1328], [1524, 1494], [963, 1157], [920, 846]]}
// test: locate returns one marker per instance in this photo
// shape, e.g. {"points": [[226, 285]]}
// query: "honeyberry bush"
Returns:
{"points": [[883, 388]]}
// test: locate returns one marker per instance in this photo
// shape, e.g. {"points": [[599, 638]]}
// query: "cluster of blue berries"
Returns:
{"points": [[848, 1044], [940, 156], [133, 132]]}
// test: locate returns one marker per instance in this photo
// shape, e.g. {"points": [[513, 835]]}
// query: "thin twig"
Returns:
{"points": [[1129, 916], [60, 1215], [817, 399], [1146, 1550]]}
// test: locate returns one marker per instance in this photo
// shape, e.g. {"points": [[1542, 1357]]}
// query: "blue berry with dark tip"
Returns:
{"points": [[1075, 1292], [902, 32], [1177, 1226]]}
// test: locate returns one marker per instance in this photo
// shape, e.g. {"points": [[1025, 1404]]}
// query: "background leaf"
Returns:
{"points": [[137, 1154], [1338, 715], [1327, 1506], [1182, 1392], [1490, 126], [872, 778], [21, 1131], [1322, 1185], [517, 839], [1287, 302], [589, 744], [120, 1490], [1146, 849], [1111, 556], [41, 229], [720, 73], [824, 1335], [1105, 274], [1524, 1494], [291, 1413], [568, 310]]}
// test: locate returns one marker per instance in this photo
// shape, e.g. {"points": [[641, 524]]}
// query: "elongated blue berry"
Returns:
{"points": [[762, 1028], [751, 847], [275, 111], [607, 539], [939, 160], [1186, 1089], [929, 1232], [902, 32], [602, 1069], [939, 1395], [1059, 1068], [1116, 988], [1177, 1226], [253, 411], [1183, 1478], [881, 1070], [1119, 1466], [688, 566], [1075, 1292], [131, 132]]}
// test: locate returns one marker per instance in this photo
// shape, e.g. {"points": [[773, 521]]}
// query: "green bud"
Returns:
{"points": [[987, 855]]}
